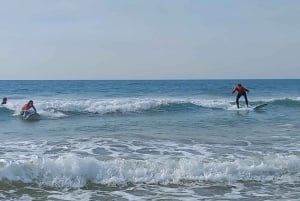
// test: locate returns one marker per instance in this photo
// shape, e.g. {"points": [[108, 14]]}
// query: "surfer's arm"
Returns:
{"points": [[34, 109]]}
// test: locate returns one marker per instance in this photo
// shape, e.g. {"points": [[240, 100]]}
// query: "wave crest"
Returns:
{"points": [[65, 107]]}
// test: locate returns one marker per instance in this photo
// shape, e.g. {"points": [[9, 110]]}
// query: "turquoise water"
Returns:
{"points": [[150, 140]]}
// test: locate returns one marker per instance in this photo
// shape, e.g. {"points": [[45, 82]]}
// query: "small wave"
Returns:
{"points": [[288, 102], [65, 107], [4, 109], [73, 171]]}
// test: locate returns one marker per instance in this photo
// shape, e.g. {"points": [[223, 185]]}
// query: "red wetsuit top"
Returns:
{"points": [[240, 89], [26, 107]]}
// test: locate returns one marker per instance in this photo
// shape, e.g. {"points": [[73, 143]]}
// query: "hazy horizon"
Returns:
{"points": [[149, 40]]}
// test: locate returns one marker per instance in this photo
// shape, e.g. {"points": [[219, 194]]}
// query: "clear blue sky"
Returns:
{"points": [[149, 39]]}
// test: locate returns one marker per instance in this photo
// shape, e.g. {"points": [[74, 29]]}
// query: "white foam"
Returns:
{"points": [[111, 105], [209, 103], [58, 108], [77, 194], [74, 171]]}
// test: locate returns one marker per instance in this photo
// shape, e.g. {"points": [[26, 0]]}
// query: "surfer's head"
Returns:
{"points": [[30, 102], [239, 84]]}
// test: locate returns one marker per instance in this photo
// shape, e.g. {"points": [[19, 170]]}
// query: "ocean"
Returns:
{"points": [[150, 140]]}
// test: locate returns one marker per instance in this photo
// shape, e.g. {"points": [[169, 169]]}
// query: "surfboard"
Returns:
{"points": [[257, 107], [34, 116], [30, 117]]}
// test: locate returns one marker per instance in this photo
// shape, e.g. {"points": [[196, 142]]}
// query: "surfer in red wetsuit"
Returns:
{"points": [[25, 109], [241, 91]]}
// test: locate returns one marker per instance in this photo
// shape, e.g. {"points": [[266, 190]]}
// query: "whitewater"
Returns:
{"points": [[150, 140]]}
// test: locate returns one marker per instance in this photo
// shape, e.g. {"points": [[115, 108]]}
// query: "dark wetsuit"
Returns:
{"points": [[241, 92]]}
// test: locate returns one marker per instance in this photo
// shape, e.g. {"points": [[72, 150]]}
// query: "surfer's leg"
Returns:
{"points": [[25, 113], [246, 99], [237, 100]]}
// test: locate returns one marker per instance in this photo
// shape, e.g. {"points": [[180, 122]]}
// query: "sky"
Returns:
{"points": [[149, 39]]}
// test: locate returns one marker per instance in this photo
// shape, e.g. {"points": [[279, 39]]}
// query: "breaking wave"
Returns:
{"points": [[65, 107], [73, 171]]}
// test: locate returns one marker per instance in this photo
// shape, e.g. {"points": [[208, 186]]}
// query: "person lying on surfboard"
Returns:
{"points": [[26, 108], [241, 91]]}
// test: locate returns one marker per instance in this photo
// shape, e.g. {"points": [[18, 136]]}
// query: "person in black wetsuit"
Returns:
{"points": [[4, 101], [241, 91]]}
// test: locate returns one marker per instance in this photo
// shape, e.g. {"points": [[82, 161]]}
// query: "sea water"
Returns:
{"points": [[150, 140]]}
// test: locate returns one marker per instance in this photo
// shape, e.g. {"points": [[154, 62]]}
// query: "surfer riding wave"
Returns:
{"points": [[28, 109], [241, 91]]}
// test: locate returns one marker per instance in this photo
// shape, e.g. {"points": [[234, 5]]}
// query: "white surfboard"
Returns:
{"points": [[32, 116], [250, 108], [261, 106]]}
